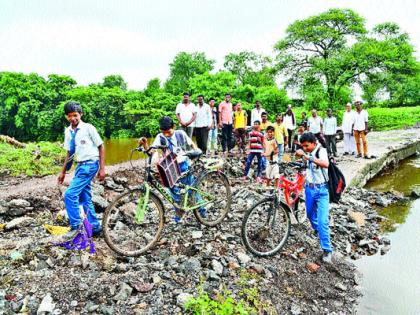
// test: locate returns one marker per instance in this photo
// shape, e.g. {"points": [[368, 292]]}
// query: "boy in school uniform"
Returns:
{"points": [[81, 140]]}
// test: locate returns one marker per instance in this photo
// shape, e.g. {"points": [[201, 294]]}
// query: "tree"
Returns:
{"points": [[183, 68], [114, 80]]}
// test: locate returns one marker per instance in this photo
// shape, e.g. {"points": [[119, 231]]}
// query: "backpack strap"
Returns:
{"points": [[322, 169]]}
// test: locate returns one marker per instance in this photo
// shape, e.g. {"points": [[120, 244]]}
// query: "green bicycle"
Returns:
{"points": [[133, 222]]}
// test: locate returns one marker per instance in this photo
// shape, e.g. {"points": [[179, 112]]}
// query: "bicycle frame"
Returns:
{"points": [[288, 188]]}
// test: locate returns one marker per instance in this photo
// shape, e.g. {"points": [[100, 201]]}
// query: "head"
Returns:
{"points": [[264, 117], [279, 118], [303, 115], [200, 99], [270, 132], [73, 112], [238, 107], [308, 142], [348, 107], [257, 104], [329, 112], [257, 125], [228, 97], [358, 105], [186, 98], [166, 125], [212, 102], [314, 113], [301, 130], [289, 109]]}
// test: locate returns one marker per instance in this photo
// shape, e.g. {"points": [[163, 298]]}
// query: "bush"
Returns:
{"points": [[393, 118]]}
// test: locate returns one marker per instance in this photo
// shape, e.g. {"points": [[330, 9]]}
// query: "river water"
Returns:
{"points": [[119, 150], [391, 283]]}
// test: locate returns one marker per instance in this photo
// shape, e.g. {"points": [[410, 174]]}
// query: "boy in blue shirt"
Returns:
{"points": [[83, 141]]}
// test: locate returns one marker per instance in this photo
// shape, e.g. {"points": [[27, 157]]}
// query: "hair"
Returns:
{"points": [[72, 107], [257, 122], [186, 93], [270, 128], [228, 94], [257, 101], [307, 137], [279, 115], [329, 110], [201, 95], [212, 99], [166, 123], [304, 113], [263, 113]]}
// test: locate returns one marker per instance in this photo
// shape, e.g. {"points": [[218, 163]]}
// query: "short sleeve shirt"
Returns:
{"points": [[225, 110], [314, 124], [240, 119], [316, 174], [360, 119], [178, 149], [185, 111], [87, 142], [280, 132]]}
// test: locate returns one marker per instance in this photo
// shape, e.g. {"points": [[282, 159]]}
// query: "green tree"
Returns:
{"points": [[114, 80]]}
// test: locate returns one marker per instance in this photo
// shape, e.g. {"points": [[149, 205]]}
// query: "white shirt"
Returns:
{"points": [[330, 126], [348, 121], [360, 119], [177, 148], [87, 142], [256, 115], [203, 118], [288, 122], [314, 124], [316, 174], [185, 111]]}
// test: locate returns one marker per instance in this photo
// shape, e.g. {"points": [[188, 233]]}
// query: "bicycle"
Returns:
{"points": [[266, 225], [133, 222]]}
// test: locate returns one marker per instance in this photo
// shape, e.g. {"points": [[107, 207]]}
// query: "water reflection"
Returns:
{"points": [[119, 150]]}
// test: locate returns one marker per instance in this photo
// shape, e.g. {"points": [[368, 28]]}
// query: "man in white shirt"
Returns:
{"points": [[186, 113], [203, 123], [289, 122], [360, 130], [256, 113], [347, 127], [315, 126], [330, 131]]}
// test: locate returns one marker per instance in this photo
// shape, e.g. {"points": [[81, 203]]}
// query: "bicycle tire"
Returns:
{"points": [[122, 239], [212, 218], [250, 239]]}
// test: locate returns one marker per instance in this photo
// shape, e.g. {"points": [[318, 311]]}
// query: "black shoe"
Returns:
{"points": [[352, 153], [345, 153], [327, 257], [366, 157], [359, 156]]}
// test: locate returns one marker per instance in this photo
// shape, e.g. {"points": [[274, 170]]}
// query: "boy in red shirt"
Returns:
{"points": [[256, 146]]}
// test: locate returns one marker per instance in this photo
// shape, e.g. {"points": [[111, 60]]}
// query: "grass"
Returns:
{"points": [[36, 159]]}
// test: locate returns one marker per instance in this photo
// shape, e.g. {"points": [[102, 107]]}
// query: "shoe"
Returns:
{"points": [[352, 153], [203, 212], [327, 257], [69, 236], [359, 156], [366, 157], [345, 153]]}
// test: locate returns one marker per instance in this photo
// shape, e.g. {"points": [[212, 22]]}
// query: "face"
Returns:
{"points": [[211, 103], [301, 130], [168, 133], [256, 126], [238, 107], [358, 106], [308, 146], [348, 107], [329, 113], [314, 113], [279, 119], [186, 98], [303, 115], [270, 133], [227, 98], [264, 118], [74, 118], [200, 100], [257, 104]]}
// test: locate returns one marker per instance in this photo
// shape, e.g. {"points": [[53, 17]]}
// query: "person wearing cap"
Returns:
{"points": [[186, 113], [84, 145]]}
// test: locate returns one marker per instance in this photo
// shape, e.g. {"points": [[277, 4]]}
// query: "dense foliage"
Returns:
{"points": [[324, 56]]}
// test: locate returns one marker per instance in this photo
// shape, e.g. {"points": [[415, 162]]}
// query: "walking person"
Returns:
{"points": [[239, 124], [202, 123], [226, 123], [186, 113], [316, 191], [360, 130], [280, 133], [256, 113], [315, 125], [330, 131], [347, 127], [290, 124], [212, 141]]}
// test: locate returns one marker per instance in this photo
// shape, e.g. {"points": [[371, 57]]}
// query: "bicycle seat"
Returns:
{"points": [[194, 154]]}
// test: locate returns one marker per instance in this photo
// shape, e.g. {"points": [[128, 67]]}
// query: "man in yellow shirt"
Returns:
{"points": [[280, 133], [264, 122], [239, 125]]}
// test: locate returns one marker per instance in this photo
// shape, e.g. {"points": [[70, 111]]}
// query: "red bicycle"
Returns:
{"points": [[266, 225]]}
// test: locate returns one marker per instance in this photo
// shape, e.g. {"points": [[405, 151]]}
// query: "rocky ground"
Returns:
{"points": [[38, 279]]}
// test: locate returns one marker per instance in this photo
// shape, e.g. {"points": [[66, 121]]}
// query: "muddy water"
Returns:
{"points": [[391, 283], [119, 150]]}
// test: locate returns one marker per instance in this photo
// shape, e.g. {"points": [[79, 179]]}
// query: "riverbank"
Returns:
{"points": [[188, 256]]}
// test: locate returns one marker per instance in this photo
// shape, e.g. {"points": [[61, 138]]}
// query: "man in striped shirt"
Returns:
{"points": [[256, 149]]}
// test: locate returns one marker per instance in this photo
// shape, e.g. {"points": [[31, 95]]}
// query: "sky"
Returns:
{"points": [[89, 39]]}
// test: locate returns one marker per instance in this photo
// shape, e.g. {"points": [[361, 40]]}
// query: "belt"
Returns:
{"points": [[312, 185], [87, 162]]}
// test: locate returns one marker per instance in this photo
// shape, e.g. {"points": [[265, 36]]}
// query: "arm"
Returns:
{"points": [[192, 119], [101, 173], [179, 120], [62, 174], [320, 162]]}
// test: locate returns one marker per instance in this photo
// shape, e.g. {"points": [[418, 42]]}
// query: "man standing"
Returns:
{"points": [[347, 126], [315, 126], [203, 123], [225, 122], [330, 131], [264, 122], [256, 112], [304, 121], [186, 113], [290, 123], [280, 133], [212, 141], [239, 125], [360, 130]]}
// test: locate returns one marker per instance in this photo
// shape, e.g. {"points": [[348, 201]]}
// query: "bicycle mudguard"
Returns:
{"points": [[141, 207]]}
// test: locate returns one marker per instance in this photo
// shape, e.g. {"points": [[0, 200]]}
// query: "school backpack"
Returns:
{"points": [[336, 181]]}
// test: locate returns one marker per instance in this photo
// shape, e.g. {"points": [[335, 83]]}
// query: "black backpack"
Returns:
{"points": [[336, 180]]}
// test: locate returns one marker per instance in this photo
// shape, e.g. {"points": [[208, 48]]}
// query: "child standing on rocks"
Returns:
{"points": [[256, 146], [316, 190], [271, 154], [83, 141]]}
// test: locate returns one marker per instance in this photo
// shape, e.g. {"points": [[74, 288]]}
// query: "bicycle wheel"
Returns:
{"points": [[214, 192], [265, 228], [124, 231]]}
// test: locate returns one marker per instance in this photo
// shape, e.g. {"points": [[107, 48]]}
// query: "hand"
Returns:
{"points": [[60, 178], [143, 141], [299, 152], [366, 131], [220, 125], [101, 174]]}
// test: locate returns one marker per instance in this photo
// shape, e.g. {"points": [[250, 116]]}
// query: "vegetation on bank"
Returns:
{"points": [[35, 159]]}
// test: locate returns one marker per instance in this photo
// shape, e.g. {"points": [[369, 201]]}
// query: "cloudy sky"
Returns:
{"points": [[138, 39]]}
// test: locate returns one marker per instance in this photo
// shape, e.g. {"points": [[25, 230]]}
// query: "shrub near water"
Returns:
{"points": [[36, 159]]}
